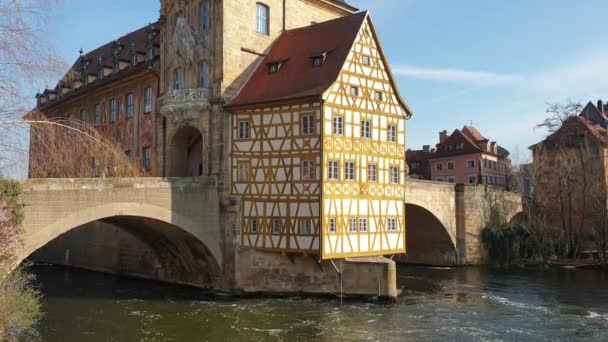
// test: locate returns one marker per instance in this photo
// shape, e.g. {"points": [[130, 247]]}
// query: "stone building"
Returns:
{"points": [[464, 157], [568, 175], [289, 104]]}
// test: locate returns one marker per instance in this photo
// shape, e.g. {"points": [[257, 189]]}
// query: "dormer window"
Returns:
{"points": [[273, 68], [365, 60], [318, 60]]}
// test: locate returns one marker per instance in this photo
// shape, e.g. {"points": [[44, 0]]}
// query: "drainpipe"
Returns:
{"points": [[340, 275], [284, 14]]}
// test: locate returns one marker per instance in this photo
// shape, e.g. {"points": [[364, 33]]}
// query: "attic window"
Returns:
{"points": [[318, 60], [274, 67]]}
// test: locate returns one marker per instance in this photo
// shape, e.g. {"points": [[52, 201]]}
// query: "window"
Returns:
{"points": [[332, 225], [146, 161], [391, 225], [148, 100], [372, 173], [150, 54], [485, 163], [254, 226], [354, 91], [353, 225], [349, 171], [112, 110], [308, 125], [338, 125], [394, 175], [366, 129], [133, 58], [451, 179], [204, 16], [334, 170], [365, 60], [414, 165], [308, 170], [273, 68], [470, 164], [304, 225], [97, 119], [116, 66], [243, 172], [262, 19], [204, 75], [439, 179], [83, 116], [178, 79], [378, 96], [129, 105], [439, 166], [244, 130], [450, 166], [317, 61], [363, 225], [276, 226], [472, 179], [392, 133]]}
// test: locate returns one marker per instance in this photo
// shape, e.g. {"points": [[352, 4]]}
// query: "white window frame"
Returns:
{"points": [[451, 179], [338, 125], [352, 227], [307, 170], [354, 91], [363, 228], [332, 225], [391, 133], [304, 226], [97, 114], [244, 130], [334, 170], [179, 78], [378, 95], [365, 60], [474, 178], [308, 124], [372, 172], [451, 166], [262, 18], [276, 226], [113, 110], [350, 170], [391, 224], [394, 174], [439, 166], [366, 129], [469, 166], [243, 171], [129, 105], [254, 225], [148, 100]]}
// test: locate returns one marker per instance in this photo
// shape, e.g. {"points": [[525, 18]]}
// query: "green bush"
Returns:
{"points": [[19, 305], [508, 244]]}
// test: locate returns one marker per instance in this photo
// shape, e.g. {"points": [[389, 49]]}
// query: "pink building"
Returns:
{"points": [[464, 156]]}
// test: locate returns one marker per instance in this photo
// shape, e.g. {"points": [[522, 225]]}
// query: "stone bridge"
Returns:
{"points": [[444, 221], [175, 229], [180, 219]]}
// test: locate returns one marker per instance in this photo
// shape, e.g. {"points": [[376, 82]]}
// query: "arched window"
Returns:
{"points": [[178, 79], [204, 75], [262, 18]]}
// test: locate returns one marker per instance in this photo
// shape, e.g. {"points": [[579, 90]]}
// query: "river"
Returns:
{"points": [[459, 304]]}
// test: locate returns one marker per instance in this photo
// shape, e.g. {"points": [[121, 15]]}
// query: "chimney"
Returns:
{"points": [[443, 136], [426, 148], [600, 106]]}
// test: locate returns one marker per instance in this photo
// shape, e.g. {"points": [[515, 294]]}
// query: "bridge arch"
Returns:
{"points": [[186, 255]]}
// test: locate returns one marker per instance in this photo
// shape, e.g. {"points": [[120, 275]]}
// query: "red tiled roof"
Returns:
{"points": [[472, 133], [294, 48]]}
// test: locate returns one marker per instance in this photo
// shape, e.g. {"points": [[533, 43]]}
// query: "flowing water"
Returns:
{"points": [[460, 304]]}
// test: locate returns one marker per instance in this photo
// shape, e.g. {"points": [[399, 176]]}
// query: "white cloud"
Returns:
{"points": [[479, 78]]}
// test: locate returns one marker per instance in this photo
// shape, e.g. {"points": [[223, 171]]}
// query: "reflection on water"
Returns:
{"points": [[471, 304]]}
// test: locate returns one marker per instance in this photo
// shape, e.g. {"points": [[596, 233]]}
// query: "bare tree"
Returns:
{"points": [[558, 114]]}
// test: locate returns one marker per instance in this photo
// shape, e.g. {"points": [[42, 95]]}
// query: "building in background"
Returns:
{"points": [[465, 157]]}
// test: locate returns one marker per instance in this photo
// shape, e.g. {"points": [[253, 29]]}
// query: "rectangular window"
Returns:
{"points": [[178, 79], [349, 171], [146, 161], [470, 164], [372, 173], [366, 129], [353, 225], [334, 170], [394, 175], [354, 91], [391, 225], [262, 19], [450, 166], [97, 118], [204, 75], [439, 166], [243, 172], [112, 110], [485, 163], [244, 130], [308, 170], [332, 225], [308, 124], [276, 226], [378, 96], [451, 179], [439, 179], [83, 116], [363, 225], [148, 100], [304, 225], [472, 179], [338, 125], [254, 226], [365, 60], [129, 105], [392, 133], [204, 16]]}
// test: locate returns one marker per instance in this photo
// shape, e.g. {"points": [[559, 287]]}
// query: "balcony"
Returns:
{"points": [[184, 106]]}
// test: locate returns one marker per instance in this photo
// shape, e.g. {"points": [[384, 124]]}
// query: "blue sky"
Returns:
{"points": [[493, 63]]}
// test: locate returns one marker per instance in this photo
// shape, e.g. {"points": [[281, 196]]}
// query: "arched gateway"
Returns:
{"points": [[186, 239]]}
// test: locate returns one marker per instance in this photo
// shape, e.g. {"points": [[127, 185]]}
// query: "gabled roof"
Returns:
{"points": [[472, 133], [294, 49], [473, 141], [596, 131]]}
